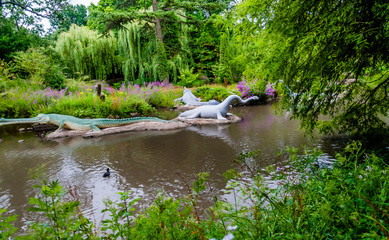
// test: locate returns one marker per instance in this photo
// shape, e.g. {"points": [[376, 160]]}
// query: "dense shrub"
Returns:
{"points": [[80, 100], [39, 68], [88, 105], [6, 227], [8, 78], [216, 93], [348, 200], [189, 79]]}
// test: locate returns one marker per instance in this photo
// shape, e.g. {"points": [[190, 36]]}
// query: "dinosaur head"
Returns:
{"points": [[41, 118], [187, 90]]}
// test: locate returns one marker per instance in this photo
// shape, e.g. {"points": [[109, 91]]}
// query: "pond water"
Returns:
{"points": [[143, 162]]}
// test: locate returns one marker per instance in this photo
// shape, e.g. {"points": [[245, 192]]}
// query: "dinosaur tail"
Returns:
{"points": [[139, 119], [105, 122]]}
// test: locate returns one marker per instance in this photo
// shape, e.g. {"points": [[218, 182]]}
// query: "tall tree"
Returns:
{"points": [[332, 55], [157, 22], [13, 38], [71, 14], [29, 12], [82, 50], [20, 23], [166, 17]]}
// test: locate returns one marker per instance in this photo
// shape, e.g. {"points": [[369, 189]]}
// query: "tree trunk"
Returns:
{"points": [[158, 28]]}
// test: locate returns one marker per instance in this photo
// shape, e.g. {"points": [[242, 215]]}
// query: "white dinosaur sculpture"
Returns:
{"points": [[219, 111], [191, 100]]}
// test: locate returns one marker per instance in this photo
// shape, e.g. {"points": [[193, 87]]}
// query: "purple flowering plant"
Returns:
{"points": [[80, 99], [270, 90], [244, 88], [255, 88]]}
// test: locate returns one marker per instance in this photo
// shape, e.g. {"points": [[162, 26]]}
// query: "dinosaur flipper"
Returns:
{"points": [[94, 128], [190, 114], [195, 115], [219, 116], [61, 123]]}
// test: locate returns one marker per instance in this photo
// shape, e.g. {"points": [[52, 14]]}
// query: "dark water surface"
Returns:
{"points": [[143, 162]]}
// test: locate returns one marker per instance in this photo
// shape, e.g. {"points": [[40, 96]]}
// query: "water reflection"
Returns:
{"points": [[142, 162]]}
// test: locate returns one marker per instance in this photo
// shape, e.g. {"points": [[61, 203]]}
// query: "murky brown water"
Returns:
{"points": [[142, 162]]}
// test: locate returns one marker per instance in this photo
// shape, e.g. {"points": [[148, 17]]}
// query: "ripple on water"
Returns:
{"points": [[5, 198]]}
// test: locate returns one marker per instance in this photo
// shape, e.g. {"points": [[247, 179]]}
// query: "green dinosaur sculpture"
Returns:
{"points": [[79, 124]]}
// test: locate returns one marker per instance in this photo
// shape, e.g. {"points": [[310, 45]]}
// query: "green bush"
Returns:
{"points": [[17, 105], [162, 100], [39, 68], [8, 78], [349, 200], [82, 82], [87, 105], [53, 77], [216, 93], [80, 100], [63, 218], [188, 78], [6, 227]]}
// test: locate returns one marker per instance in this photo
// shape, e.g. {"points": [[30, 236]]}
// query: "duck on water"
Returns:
{"points": [[107, 173]]}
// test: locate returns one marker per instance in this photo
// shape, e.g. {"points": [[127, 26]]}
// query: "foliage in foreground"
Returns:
{"points": [[348, 200], [332, 56]]}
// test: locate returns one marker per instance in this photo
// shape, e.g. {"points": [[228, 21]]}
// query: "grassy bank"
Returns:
{"points": [[79, 99]]}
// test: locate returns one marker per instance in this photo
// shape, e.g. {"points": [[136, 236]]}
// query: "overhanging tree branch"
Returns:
{"points": [[27, 6]]}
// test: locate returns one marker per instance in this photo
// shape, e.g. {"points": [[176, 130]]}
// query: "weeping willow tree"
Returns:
{"points": [[137, 55], [223, 70], [144, 57], [234, 55], [162, 29], [129, 47], [85, 51]]}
